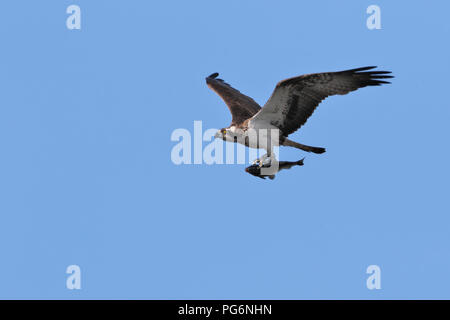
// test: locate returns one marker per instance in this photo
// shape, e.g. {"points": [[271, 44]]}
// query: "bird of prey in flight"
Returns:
{"points": [[292, 102]]}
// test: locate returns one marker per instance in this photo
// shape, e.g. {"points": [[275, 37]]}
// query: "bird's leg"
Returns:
{"points": [[265, 160], [270, 165]]}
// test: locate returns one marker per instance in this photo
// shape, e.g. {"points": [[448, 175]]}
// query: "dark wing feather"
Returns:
{"points": [[241, 106], [294, 100]]}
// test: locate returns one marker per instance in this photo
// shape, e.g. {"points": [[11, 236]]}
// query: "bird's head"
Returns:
{"points": [[221, 134]]}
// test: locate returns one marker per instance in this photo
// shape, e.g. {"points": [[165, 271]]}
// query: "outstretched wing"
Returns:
{"points": [[294, 100], [241, 106]]}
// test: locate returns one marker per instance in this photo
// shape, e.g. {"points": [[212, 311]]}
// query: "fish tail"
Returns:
{"points": [[300, 162]]}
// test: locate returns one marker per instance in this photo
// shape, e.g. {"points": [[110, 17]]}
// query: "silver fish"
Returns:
{"points": [[255, 169]]}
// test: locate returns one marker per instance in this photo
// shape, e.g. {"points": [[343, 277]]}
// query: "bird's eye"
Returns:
{"points": [[224, 131]]}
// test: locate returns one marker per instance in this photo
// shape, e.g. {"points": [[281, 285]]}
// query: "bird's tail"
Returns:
{"points": [[290, 143]]}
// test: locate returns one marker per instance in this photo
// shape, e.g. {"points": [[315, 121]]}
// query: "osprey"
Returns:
{"points": [[292, 102]]}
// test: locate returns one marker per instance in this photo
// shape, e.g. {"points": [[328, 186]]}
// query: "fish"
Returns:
{"points": [[255, 169]]}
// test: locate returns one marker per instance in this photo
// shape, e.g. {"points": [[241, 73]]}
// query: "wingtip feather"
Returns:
{"points": [[213, 75], [361, 69]]}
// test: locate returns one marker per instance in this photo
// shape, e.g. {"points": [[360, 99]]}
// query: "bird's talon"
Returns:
{"points": [[257, 161], [266, 163]]}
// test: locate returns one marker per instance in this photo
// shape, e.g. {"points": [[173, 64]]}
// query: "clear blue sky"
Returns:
{"points": [[86, 176]]}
